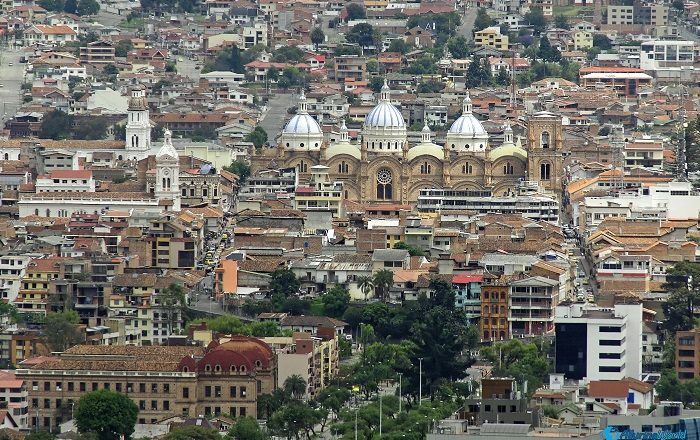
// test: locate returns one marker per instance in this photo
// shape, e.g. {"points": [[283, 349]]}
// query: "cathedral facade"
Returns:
{"points": [[383, 167]]}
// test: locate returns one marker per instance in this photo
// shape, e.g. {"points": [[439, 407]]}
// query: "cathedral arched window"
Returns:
{"points": [[426, 168], [301, 145], [36, 212], [508, 169], [545, 171], [467, 168], [302, 166], [316, 144], [48, 213], [373, 145], [343, 167], [453, 146], [287, 144], [544, 139], [384, 184], [7, 156]]}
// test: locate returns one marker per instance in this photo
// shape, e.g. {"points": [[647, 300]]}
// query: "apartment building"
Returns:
{"points": [[625, 273], [34, 293], [597, 343], [494, 325], [14, 394], [173, 244], [66, 181], [531, 306], [223, 378], [620, 15], [644, 153], [688, 354], [97, 53], [349, 67], [491, 37], [12, 270], [321, 195], [660, 54]]}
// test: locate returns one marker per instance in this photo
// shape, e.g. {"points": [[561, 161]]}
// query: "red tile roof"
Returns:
{"points": [[608, 388]]}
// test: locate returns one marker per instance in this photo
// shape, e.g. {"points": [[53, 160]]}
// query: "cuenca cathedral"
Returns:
{"points": [[383, 167]]}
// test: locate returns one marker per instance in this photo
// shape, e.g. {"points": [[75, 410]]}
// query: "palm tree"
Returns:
{"points": [[366, 285], [295, 386], [383, 280]]}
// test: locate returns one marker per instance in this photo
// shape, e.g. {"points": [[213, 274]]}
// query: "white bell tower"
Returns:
{"points": [[138, 126], [168, 173]]}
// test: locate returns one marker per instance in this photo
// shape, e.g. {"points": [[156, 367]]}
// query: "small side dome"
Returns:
{"points": [[167, 151], [302, 122]]}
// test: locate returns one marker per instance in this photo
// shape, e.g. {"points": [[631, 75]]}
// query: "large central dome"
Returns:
{"points": [[384, 114], [467, 124], [302, 122]]}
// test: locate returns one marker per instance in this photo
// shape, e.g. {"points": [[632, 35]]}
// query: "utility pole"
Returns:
{"points": [[380, 414], [355, 423], [400, 395], [420, 381]]}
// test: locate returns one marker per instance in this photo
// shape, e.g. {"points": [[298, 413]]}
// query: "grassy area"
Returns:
{"points": [[570, 11], [317, 307], [136, 23]]}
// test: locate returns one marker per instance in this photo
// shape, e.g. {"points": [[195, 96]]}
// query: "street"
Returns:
{"points": [[186, 67], [11, 78], [467, 25], [276, 114]]}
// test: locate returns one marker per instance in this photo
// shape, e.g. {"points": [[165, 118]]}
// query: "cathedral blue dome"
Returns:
{"points": [[384, 115], [302, 124]]}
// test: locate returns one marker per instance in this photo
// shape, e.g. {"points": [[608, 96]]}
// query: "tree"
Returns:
{"points": [[335, 301], [317, 37], [107, 414], [483, 20], [355, 11], [70, 6], [502, 78], [293, 418], [110, 69], [193, 432], [399, 45], [91, 129], [478, 73], [372, 65], [444, 25], [246, 428], [258, 137], [458, 46], [376, 83], [602, 42], [412, 250], [424, 64], [678, 5], [56, 125], [88, 7], [286, 54], [547, 52], [431, 86], [366, 285], [383, 280], [295, 386], [284, 282], [173, 300], [239, 168], [561, 22], [535, 18], [361, 34], [62, 330]]}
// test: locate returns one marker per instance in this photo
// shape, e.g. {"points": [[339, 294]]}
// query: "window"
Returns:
{"points": [[508, 169], [384, 185], [47, 403], [217, 391], [185, 393], [603, 369], [166, 387], [82, 387], [426, 168], [544, 139], [207, 391], [343, 168], [302, 167], [95, 385], [142, 405], [232, 392], [243, 391], [154, 405], [154, 388], [545, 170], [467, 168], [142, 387], [242, 411], [71, 386]]}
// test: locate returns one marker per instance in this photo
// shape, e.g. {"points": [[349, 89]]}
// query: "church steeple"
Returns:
{"points": [[385, 94], [507, 134], [344, 135], [303, 105], [467, 104], [425, 134]]}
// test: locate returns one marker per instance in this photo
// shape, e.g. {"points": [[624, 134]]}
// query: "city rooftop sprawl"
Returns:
{"points": [[349, 219]]}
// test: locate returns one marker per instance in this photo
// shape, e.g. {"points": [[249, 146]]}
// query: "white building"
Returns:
{"points": [[14, 393], [12, 269], [43, 34], [66, 180], [138, 126], [168, 174], [596, 343], [669, 200], [659, 54]]}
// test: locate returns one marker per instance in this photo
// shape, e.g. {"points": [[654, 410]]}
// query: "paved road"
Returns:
{"points": [[276, 114], [11, 78], [467, 25], [106, 18], [186, 67]]}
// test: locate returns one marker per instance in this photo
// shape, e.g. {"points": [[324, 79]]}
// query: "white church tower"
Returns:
{"points": [[138, 126], [168, 173]]}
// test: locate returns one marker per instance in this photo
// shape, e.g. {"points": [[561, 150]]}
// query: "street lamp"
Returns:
{"points": [[420, 381]]}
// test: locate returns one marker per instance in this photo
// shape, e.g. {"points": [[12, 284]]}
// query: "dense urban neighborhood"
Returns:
{"points": [[349, 219]]}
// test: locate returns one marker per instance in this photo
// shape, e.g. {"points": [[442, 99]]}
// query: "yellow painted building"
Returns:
{"points": [[491, 37], [376, 4], [583, 40], [33, 295]]}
